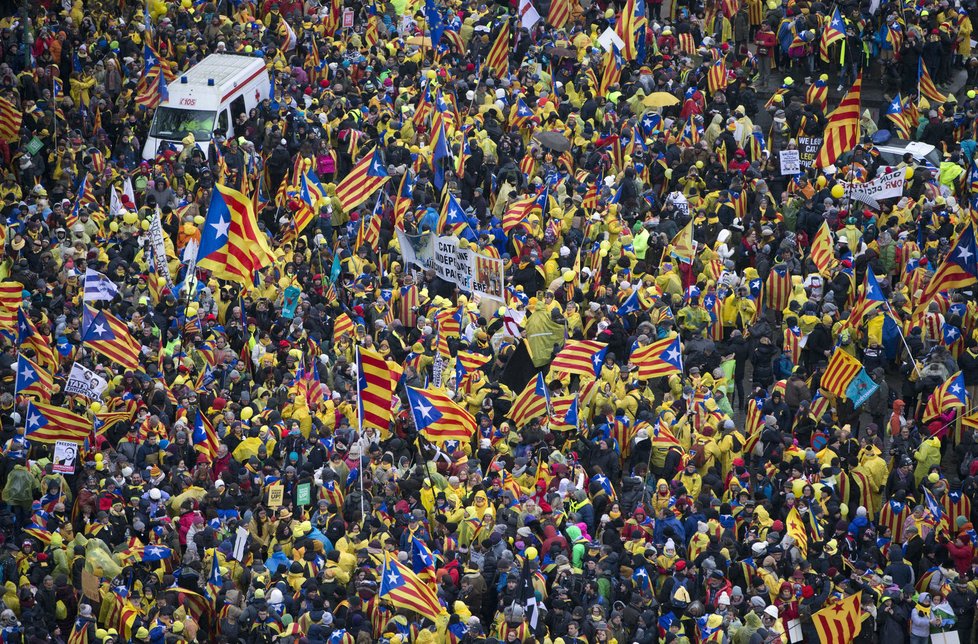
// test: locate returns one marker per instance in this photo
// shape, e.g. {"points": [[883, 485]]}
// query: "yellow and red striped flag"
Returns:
{"points": [[204, 437], [840, 372], [497, 60], [560, 13], [532, 402], [777, 288], [11, 297], [232, 245], [823, 253], [374, 390], [925, 85], [108, 335], [950, 395], [659, 359], [842, 130], [366, 177], [402, 588], [343, 325], [716, 76], [438, 417], [32, 380], [28, 336], [841, 622], [11, 120], [47, 424], [796, 528], [584, 357]]}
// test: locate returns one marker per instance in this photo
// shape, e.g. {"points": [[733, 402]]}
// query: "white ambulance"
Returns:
{"points": [[207, 99]]}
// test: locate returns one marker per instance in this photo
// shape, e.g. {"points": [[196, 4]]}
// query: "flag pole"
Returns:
{"points": [[54, 100]]}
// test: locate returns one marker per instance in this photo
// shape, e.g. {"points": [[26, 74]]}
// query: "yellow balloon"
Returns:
{"points": [[838, 191], [130, 218], [96, 407], [531, 553], [603, 252], [98, 457], [908, 173], [114, 226], [198, 220], [605, 245], [247, 413], [144, 224]]}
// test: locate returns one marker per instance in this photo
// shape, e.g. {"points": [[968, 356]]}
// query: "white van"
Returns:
{"points": [[208, 98]]}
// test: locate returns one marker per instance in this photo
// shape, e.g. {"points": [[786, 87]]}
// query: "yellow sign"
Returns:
{"points": [[276, 492]]}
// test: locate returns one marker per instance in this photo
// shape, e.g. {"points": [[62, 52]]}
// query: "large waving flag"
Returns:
{"points": [[842, 130], [32, 380], [560, 13], [366, 177], [532, 402], [99, 287], [48, 424], [152, 87], [925, 85], [311, 191], [584, 357], [374, 390], [402, 588], [895, 113], [959, 268], [950, 395], [497, 60], [204, 437], [627, 27], [106, 334], [231, 245], [29, 337], [659, 359], [840, 372], [823, 253], [834, 31], [841, 622], [870, 299], [438, 417], [611, 75]]}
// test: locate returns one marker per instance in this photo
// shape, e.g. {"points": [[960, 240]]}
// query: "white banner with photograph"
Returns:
{"points": [[469, 270]]}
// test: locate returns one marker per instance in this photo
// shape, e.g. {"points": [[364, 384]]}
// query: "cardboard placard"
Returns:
{"points": [[790, 162], [65, 455], [303, 494], [276, 494]]}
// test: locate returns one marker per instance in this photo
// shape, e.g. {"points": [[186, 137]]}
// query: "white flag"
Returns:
{"points": [[115, 203], [528, 14], [99, 287]]}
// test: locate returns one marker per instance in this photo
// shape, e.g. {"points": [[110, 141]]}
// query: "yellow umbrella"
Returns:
{"points": [[660, 99]]}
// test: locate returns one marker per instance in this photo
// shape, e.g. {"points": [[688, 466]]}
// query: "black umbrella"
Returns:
{"points": [[553, 140]]}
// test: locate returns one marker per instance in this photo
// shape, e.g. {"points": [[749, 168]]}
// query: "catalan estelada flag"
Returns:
{"points": [[584, 357], [869, 300], [402, 588], [842, 130], [777, 288], [841, 371], [310, 192], [925, 85], [47, 424], [438, 417], [532, 402], [32, 380], [108, 335], [833, 32], [659, 359], [959, 268], [374, 390], [950, 395], [895, 113], [204, 437], [366, 177], [497, 60], [841, 622], [231, 244], [29, 337]]}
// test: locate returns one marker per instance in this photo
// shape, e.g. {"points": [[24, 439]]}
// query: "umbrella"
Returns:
{"points": [[561, 52], [660, 99], [553, 140]]}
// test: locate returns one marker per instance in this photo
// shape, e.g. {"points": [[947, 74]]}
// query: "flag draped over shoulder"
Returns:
{"points": [[840, 622], [11, 120], [842, 130]]}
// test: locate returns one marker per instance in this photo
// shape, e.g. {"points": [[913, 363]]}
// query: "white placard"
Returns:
{"points": [[790, 162], [608, 37], [85, 382], [240, 541], [888, 185], [65, 455], [528, 14], [159, 247]]}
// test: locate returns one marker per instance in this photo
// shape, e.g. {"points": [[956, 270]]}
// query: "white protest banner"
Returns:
{"points": [[159, 247], [65, 453], [240, 541], [85, 382], [790, 162], [464, 267], [887, 185]]}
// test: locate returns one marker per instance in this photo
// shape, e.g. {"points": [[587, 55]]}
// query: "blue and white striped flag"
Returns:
{"points": [[99, 287]]}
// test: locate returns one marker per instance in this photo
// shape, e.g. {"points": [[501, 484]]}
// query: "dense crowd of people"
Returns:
{"points": [[714, 393]]}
